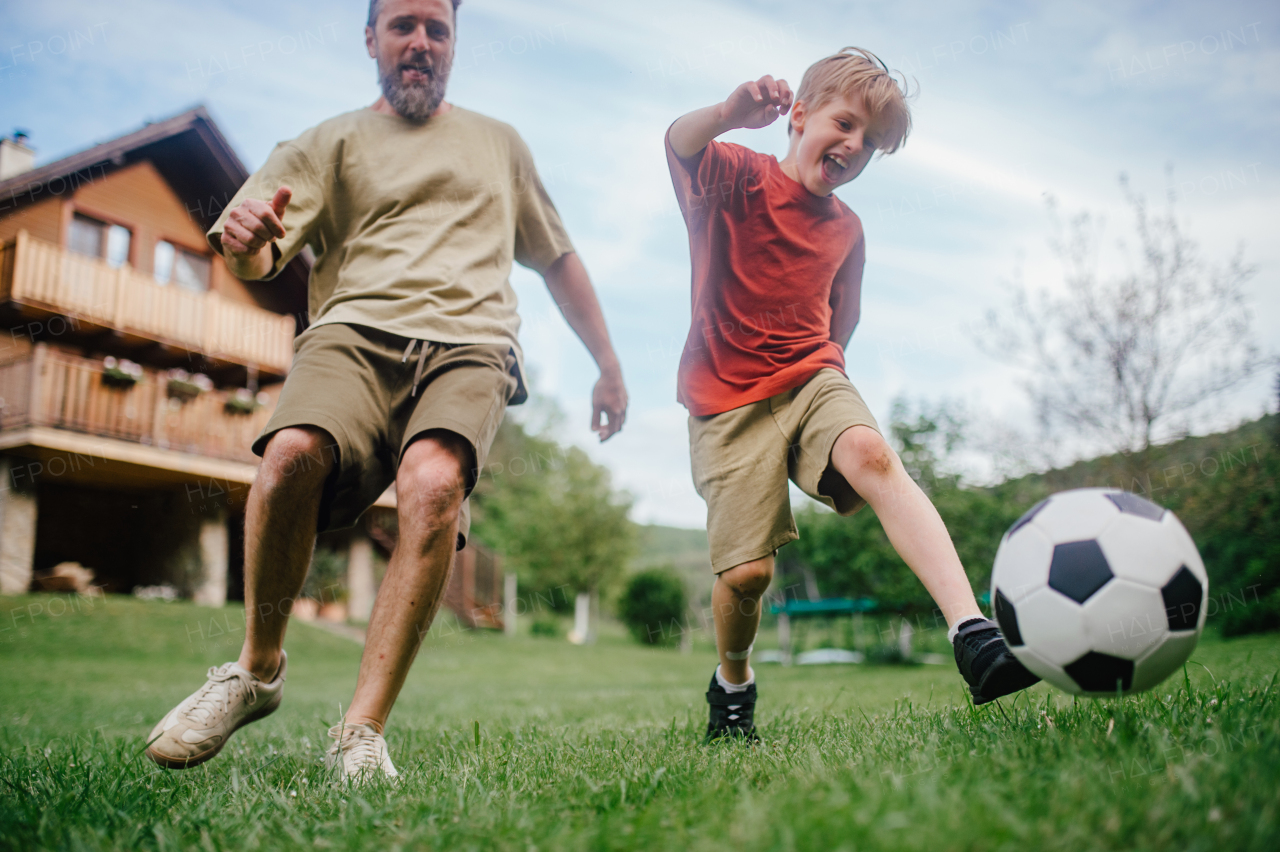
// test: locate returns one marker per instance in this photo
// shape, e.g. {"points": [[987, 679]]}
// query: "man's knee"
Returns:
{"points": [[432, 479], [301, 454], [861, 453], [750, 579]]}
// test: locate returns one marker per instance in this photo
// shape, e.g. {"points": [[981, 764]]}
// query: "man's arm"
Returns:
{"points": [[755, 104], [249, 235], [570, 286]]}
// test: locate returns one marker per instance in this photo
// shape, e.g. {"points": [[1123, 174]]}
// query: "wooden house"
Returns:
{"points": [[135, 369]]}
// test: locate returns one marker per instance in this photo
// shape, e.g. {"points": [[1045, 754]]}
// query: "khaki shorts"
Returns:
{"points": [[353, 382], [743, 458]]}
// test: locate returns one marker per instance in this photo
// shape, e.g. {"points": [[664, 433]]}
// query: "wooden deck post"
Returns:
{"points": [[17, 530], [784, 637], [509, 603], [214, 547], [360, 588]]}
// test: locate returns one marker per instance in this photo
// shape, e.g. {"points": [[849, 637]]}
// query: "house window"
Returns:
{"points": [[118, 239], [163, 265], [86, 236], [93, 238], [188, 269]]}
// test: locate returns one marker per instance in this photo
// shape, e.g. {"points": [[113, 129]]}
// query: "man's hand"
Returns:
{"points": [[757, 104], [608, 398], [569, 285], [248, 228]]}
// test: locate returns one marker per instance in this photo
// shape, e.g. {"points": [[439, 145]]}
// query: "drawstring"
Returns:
{"points": [[422, 360]]}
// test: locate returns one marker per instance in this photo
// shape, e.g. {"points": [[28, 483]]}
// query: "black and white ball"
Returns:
{"points": [[1099, 591]]}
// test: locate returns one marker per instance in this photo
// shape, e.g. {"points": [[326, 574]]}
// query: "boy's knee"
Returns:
{"points": [[750, 579], [862, 451]]}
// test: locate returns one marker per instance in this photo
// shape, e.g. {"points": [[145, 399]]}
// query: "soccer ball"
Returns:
{"points": [[1099, 592]]}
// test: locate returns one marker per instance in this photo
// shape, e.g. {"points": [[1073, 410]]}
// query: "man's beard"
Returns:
{"points": [[415, 101]]}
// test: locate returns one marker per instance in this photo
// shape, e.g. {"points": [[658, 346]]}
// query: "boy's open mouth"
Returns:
{"points": [[833, 167]]}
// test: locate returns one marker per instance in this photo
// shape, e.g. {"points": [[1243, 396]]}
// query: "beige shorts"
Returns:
{"points": [[353, 382], [743, 458]]}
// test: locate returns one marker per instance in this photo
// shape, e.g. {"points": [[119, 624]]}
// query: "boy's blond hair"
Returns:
{"points": [[854, 72]]}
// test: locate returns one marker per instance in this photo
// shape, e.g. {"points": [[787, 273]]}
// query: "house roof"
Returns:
{"points": [[190, 153], [217, 169]]}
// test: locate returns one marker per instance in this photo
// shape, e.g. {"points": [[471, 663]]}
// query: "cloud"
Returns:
{"points": [[1015, 101]]}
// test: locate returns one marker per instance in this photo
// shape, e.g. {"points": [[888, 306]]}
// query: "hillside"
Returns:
{"points": [[1167, 469], [684, 549]]}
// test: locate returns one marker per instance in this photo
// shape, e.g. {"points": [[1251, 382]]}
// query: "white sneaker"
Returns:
{"points": [[361, 752], [200, 726]]}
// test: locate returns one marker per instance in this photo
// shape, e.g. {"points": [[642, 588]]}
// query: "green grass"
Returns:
{"points": [[598, 748]]}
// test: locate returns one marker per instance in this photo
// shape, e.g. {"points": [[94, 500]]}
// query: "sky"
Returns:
{"points": [[1017, 103]]}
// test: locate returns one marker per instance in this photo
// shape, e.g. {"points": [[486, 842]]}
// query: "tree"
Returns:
{"points": [[553, 513], [1131, 358], [852, 557], [925, 438]]}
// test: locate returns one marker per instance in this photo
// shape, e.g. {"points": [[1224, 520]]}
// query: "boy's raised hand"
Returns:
{"points": [[757, 104]]}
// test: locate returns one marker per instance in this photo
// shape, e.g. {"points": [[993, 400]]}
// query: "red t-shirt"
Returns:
{"points": [[777, 277]]}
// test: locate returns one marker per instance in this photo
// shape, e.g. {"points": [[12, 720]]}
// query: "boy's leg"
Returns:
{"points": [[731, 695], [916, 531], [735, 599], [909, 519]]}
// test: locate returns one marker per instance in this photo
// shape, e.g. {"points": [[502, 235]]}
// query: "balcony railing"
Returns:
{"points": [[51, 387], [41, 275]]}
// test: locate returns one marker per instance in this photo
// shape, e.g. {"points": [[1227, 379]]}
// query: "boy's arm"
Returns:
{"points": [[753, 104], [569, 285], [846, 295]]}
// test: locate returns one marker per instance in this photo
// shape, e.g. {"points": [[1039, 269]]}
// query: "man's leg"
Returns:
{"points": [[280, 532], [735, 599], [279, 538], [430, 486], [914, 528]]}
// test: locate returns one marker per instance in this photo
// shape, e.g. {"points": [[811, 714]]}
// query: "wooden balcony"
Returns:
{"points": [[49, 387], [43, 279]]}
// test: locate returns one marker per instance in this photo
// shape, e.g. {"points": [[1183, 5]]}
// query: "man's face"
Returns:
{"points": [[836, 142], [413, 43]]}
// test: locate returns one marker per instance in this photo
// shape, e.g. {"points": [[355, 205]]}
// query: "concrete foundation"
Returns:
{"points": [[17, 532]]}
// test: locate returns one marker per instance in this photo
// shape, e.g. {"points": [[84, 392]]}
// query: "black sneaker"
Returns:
{"points": [[732, 714], [986, 662]]}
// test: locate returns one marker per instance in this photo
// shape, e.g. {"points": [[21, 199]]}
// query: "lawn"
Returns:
{"points": [[531, 743]]}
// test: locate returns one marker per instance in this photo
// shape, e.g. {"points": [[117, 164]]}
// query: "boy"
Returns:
{"points": [[777, 274]]}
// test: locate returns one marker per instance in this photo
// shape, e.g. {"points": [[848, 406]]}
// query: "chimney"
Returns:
{"points": [[15, 156]]}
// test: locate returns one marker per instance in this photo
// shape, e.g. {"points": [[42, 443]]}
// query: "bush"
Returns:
{"points": [[545, 625], [1256, 616], [653, 602], [326, 579]]}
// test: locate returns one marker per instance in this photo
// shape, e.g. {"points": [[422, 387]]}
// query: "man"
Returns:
{"points": [[415, 209]]}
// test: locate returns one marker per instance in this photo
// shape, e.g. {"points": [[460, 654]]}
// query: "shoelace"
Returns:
{"points": [[216, 693], [360, 744]]}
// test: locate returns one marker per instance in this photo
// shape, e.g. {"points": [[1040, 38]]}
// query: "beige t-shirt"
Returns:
{"points": [[414, 226]]}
